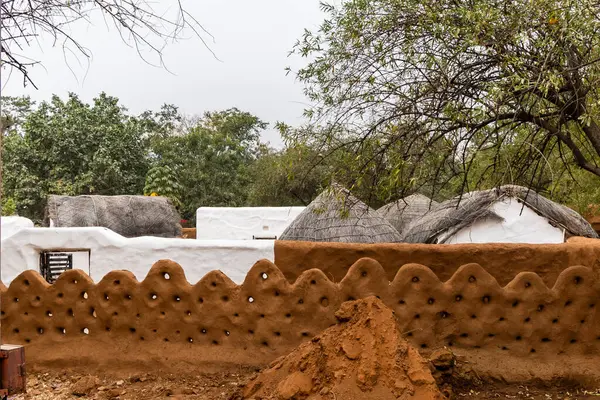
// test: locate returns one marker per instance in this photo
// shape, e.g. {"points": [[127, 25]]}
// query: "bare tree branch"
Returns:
{"points": [[141, 26]]}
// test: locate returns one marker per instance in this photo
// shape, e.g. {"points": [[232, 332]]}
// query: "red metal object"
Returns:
{"points": [[12, 370]]}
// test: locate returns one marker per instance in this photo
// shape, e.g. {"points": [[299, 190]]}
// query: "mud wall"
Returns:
{"points": [[266, 316], [502, 261], [188, 233], [595, 222]]}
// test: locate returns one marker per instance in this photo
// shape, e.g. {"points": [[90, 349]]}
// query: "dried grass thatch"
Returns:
{"points": [[130, 216], [400, 213], [454, 214], [337, 216]]}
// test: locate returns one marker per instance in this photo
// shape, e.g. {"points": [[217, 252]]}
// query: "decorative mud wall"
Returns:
{"points": [[267, 316], [502, 261]]}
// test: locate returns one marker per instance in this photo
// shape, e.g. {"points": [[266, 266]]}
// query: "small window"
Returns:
{"points": [[53, 264]]}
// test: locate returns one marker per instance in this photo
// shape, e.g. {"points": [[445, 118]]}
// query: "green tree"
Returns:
{"points": [[374, 174], [212, 160], [162, 181], [13, 111], [9, 207], [292, 176], [429, 85], [69, 147]]}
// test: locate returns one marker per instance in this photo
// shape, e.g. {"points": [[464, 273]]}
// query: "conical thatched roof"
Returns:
{"points": [[337, 216], [454, 214], [400, 213]]}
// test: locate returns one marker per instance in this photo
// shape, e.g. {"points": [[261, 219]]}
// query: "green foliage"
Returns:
{"points": [[375, 176], [69, 147], [9, 207], [212, 159], [162, 181], [448, 96], [289, 177], [13, 112], [308, 164], [72, 148], [580, 191]]}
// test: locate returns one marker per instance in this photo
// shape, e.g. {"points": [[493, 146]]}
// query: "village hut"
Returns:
{"points": [[337, 216], [129, 216], [508, 214], [401, 212]]}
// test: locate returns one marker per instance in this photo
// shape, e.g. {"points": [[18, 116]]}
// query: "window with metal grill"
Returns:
{"points": [[52, 264]]}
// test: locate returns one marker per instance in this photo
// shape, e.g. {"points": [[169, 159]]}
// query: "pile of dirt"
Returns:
{"points": [[362, 356]]}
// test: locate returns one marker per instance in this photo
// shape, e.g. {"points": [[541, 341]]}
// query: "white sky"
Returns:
{"points": [[251, 38]]}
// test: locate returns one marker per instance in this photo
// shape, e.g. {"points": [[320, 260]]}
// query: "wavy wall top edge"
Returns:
{"points": [[264, 269]]}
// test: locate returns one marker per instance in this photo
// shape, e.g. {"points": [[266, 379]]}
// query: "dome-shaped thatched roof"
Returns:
{"points": [[400, 213], [452, 215], [129, 216], [337, 216]]}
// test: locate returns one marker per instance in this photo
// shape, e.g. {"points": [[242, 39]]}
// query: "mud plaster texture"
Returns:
{"points": [[165, 322], [502, 261], [362, 356], [188, 233]]}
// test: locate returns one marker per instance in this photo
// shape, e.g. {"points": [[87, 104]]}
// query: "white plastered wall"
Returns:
{"points": [[111, 251], [242, 223], [12, 225], [520, 225]]}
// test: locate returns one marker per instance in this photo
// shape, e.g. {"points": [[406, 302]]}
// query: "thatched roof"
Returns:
{"points": [[337, 216], [130, 216], [454, 214], [400, 213]]}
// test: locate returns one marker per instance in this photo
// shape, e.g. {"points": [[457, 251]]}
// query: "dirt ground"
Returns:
{"points": [[227, 386], [67, 385]]}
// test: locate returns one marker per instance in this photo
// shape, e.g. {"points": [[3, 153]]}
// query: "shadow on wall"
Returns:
{"points": [[267, 316]]}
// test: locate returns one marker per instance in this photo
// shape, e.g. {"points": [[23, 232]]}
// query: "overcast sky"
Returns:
{"points": [[251, 39]]}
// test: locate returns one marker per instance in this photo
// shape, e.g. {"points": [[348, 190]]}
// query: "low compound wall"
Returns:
{"points": [[13, 224], [97, 251], [267, 316], [502, 261]]}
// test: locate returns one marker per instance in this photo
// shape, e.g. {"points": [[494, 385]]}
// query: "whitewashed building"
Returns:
{"points": [[509, 214], [243, 223]]}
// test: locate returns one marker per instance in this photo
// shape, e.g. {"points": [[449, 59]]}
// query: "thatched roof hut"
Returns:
{"points": [[337, 216], [400, 213], [130, 216], [480, 209]]}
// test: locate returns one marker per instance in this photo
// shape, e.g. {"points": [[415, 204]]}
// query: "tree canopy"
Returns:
{"points": [[68, 147], [457, 94], [212, 159]]}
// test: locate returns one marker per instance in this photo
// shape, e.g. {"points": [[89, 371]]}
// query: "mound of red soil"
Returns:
{"points": [[363, 356]]}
